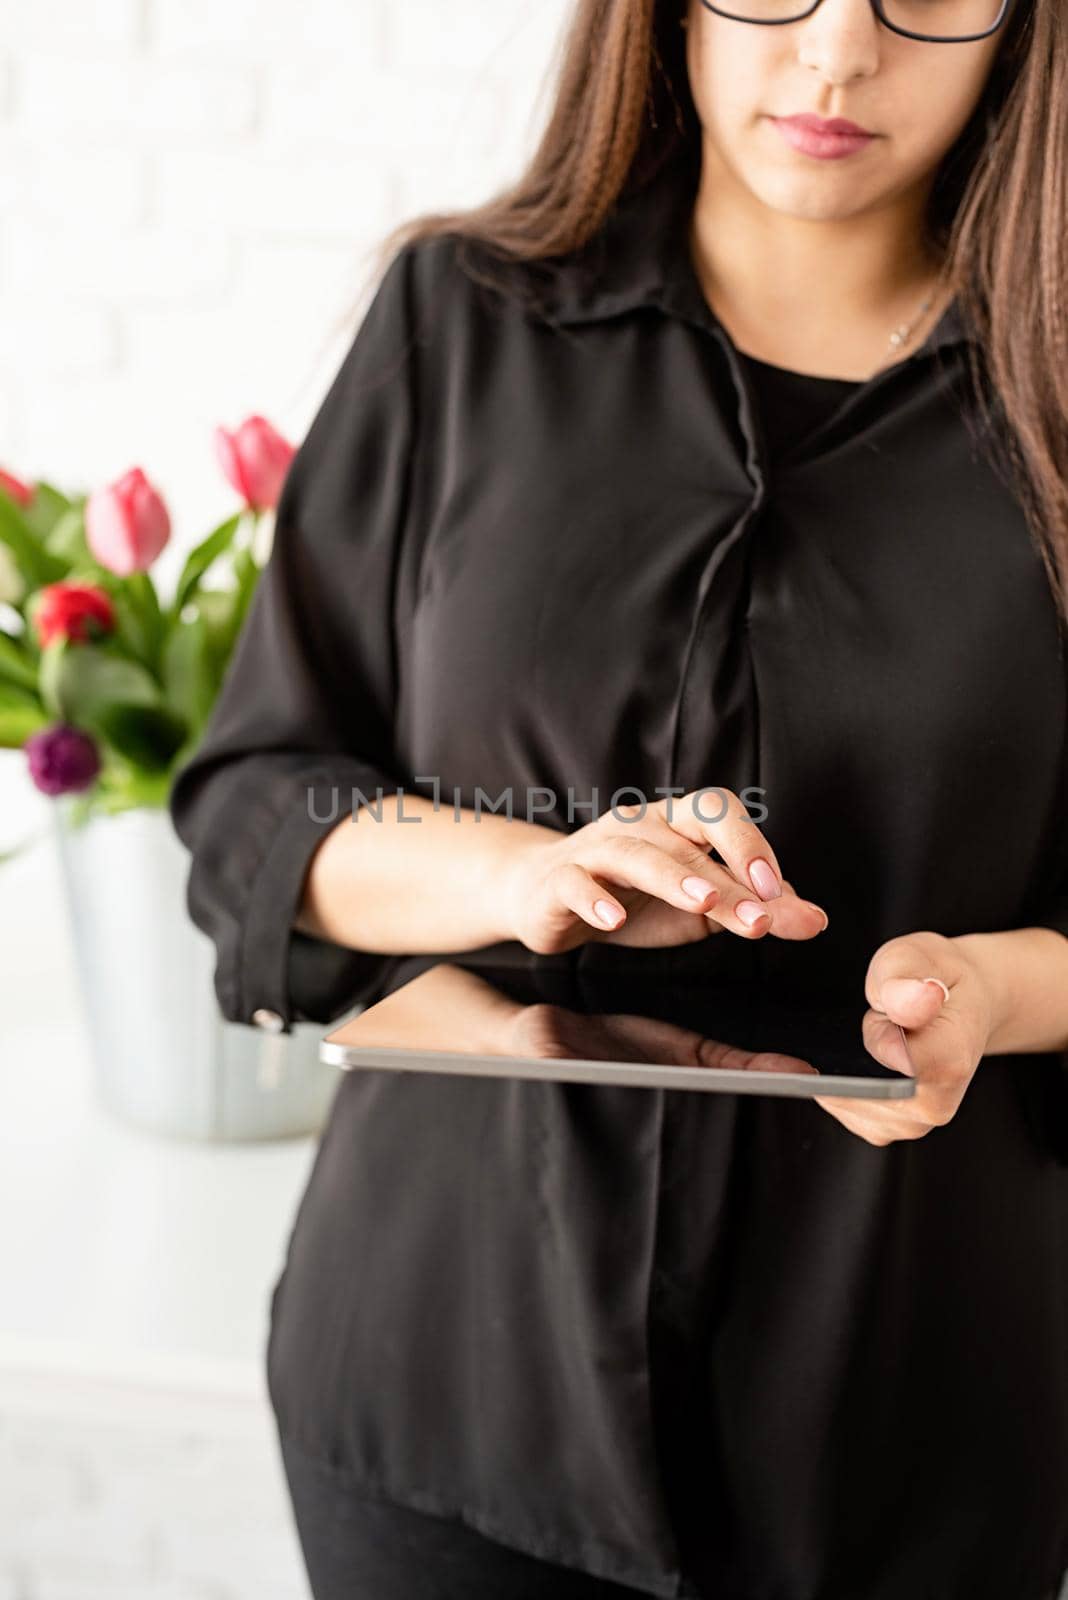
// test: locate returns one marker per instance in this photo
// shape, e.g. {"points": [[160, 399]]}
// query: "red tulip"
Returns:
{"points": [[20, 492], [126, 524], [255, 459], [75, 611]]}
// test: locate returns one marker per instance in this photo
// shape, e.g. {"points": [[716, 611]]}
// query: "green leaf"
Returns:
{"points": [[188, 675], [247, 572], [139, 622], [35, 563], [200, 559], [114, 699], [79, 682], [142, 586], [135, 788], [184, 753], [65, 539], [224, 611], [20, 715], [52, 665], [16, 664], [146, 735], [215, 608], [46, 508], [119, 787]]}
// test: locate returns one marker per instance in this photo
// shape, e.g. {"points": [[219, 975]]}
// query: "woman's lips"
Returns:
{"points": [[823, 143]]}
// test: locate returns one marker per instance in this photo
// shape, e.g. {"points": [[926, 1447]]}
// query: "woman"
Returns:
{"points": [[715, 455]]}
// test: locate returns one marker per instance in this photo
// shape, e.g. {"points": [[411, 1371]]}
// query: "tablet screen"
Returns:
{"points": [[716, 1037]]}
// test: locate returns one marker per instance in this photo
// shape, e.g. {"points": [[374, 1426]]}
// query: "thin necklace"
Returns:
{"points": [[901, 332]]}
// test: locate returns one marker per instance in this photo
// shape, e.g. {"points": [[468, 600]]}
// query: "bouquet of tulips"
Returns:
{"points": [[104, 684]]}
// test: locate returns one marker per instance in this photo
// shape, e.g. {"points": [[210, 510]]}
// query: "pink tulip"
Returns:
{"points": [[255, 459], [20, 492], [126, 524]]}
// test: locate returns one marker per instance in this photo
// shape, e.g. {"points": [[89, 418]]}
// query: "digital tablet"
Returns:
{"points": [[713, 1038]]}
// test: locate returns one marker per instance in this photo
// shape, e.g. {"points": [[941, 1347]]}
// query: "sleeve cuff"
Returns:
{"points": [[1057, 919], [285, 975]]}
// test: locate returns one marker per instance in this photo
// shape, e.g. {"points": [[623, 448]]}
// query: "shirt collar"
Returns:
{"points": [[640, 257]]}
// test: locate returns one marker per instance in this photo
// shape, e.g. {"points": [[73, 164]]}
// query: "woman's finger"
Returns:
{"points": [[751, 864], [709, 889], [749, 878], [635, 862], [573, 887], [716, 817], [885, 1042], [911, 978]]}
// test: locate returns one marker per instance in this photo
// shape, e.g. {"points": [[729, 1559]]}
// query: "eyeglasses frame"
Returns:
{"points": [[878, 7]]}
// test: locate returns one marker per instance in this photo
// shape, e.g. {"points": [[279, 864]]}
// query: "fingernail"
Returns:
{"points": [[762, 877], [698, 888], [749, 912], [813, 907], [608, 914], [940, 984]]}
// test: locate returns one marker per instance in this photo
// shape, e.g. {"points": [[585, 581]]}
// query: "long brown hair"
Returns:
{"points": [[997, 215]]}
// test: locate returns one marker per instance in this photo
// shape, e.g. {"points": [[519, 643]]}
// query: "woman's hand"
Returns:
{"points": [[942, 999], [649, 879]]}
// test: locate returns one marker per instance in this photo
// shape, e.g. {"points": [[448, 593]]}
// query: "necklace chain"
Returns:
{"points": [[901, 333]]}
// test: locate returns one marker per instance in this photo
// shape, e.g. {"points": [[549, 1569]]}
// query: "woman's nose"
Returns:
{"points": [[841, 39]]}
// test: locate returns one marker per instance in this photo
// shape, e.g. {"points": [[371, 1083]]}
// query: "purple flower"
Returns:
{"points": [[62, 759]]}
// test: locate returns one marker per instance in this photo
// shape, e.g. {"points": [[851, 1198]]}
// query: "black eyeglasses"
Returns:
{"points": [[955, 21]]}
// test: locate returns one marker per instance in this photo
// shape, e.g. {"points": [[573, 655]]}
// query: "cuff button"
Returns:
{"points": [[270, 1021]]}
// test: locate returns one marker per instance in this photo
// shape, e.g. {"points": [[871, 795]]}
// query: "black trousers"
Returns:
{"points": [[370, 1550]]}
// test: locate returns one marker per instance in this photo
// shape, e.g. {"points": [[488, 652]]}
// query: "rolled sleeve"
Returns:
{"points": [[1052, 907], [1056, 917], [302, 727]]}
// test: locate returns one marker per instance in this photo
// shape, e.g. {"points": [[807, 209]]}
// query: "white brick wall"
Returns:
{"points": [[113, 1493], [189, 194]]}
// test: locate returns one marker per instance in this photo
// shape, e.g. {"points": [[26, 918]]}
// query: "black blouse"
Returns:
{"points": [[791, 405], [527, 549]]}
